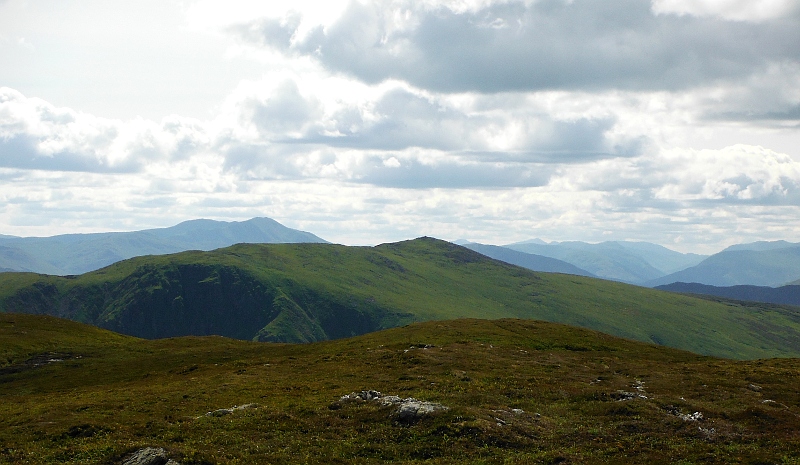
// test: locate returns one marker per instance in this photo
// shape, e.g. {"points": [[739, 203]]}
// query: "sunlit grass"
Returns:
{"points": [[111, 395], [304, 292]]}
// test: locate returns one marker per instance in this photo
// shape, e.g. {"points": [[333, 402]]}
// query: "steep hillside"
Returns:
{"points": [[448, 392], [770, 267], [307, 292], [786, 295], [79, 253], [14, 259], [527, 260]]}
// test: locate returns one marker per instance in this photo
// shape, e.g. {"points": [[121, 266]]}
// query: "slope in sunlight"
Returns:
{"points": [[309, 292], [501, 391]]}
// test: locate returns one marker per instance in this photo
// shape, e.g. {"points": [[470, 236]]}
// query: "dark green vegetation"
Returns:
{"points": [[77, 394], [79, 253], [309, 292], [787, 295]]}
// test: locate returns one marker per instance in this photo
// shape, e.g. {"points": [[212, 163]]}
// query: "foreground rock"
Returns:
{"points": [[150, 456], [227, 411], [408, 409]]}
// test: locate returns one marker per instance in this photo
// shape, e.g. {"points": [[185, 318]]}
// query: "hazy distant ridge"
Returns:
{"points": [[741, 266], [79, 253], [631, 262], [527, 260]]}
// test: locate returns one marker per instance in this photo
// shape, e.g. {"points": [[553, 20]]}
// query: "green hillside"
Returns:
{"points": [[504, 391], [309, 292]]}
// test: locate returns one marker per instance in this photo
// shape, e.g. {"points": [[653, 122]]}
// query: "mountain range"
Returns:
{"points": [[771, 264], [631, 262], [79, 253], [527, 260], [762, 266], [760, 263], [743, 271], [311, 292]]}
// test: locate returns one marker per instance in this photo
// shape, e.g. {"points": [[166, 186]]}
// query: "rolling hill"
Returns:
{"points": [[445, 392], [768, 267], [786, 295], [79, 253], [311, 292]]}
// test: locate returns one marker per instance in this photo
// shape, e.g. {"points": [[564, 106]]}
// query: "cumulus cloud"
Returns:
{"points": [[288, 120], [673, 121], [533, 45], [738, 174], [398, 137], [34, 134]]}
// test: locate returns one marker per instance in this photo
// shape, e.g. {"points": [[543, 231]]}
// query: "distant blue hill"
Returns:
{"points": [[630, 262], [768, 266], [762, 246], [526, 260], [79, 253], [785, 295]]}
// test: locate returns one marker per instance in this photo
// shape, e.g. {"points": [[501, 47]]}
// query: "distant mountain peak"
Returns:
{"points": [[761, 246], [529, 241], [78, 253]]}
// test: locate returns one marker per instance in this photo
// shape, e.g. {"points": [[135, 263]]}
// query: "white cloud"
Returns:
{"points": [[736, 10], [735, 174], [499, 120], [37, 135], [739, 174], [580, 44]]}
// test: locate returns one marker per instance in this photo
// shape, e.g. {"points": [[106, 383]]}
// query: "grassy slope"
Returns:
{"points": [[113, 394], [435, 280]]}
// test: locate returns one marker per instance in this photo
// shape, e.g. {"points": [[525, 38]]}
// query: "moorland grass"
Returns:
{"points": [[583, 397]]}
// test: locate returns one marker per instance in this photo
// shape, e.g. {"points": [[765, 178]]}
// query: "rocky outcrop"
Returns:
{"points": [[408, 410], [150, 456]]}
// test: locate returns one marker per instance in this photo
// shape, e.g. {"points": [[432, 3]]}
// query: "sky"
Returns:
{"points": [[669, 121]]}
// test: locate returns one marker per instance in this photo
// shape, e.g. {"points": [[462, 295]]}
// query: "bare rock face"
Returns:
{"points": [[150, 456]]}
